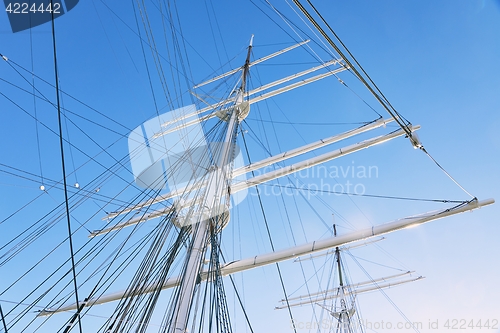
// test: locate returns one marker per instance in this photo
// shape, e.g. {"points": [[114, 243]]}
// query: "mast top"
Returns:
{"points": [[246, 69]]}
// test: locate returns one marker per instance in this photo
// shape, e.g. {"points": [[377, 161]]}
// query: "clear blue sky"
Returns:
{"points": [[436, 62]]}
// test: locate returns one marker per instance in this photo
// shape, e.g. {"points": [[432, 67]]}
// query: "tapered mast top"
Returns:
{"points": [[246, 67]]}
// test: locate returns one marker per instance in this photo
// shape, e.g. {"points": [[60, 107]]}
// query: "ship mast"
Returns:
{"points": [[209, 209], [344, 315], [216, 194]]}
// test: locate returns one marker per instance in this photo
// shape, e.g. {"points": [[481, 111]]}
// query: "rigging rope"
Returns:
{"points": [[34, 109], [384, 293], [307, 123], [61, 145], [270, 239], [446, 173], [314, 315], [316, 190], [376, 92], [103, 150], [238, 295], [403, 123], [3, 319], [77, 185]]}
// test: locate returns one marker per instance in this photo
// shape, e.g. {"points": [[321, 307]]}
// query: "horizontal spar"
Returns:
{"points": [[255, 62], [355, 292], [158, 199], [297, 75], [343, 248], [132, 221], [349, 286], [296, 251], [169, 283], [310, 147], [316, 160], [295, 85], [328, 243]]}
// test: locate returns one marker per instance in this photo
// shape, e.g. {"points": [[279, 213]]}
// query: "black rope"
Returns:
{"points": [[446, 173], [36, 178], [144, 58], [12, 63], [61, 144], [34, 106], [103, 150], [361, 195], [3, 319], [223, 322], [291, 23], [306, 123], [240, 301], [72, 159], [403, 123], [270, 239], [385, 294], [288, 215]]}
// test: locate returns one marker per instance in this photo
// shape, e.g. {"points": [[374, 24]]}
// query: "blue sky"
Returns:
{"points": [[437, 63]]}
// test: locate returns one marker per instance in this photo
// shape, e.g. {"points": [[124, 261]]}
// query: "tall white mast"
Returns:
{"points": [[215, 196]]}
